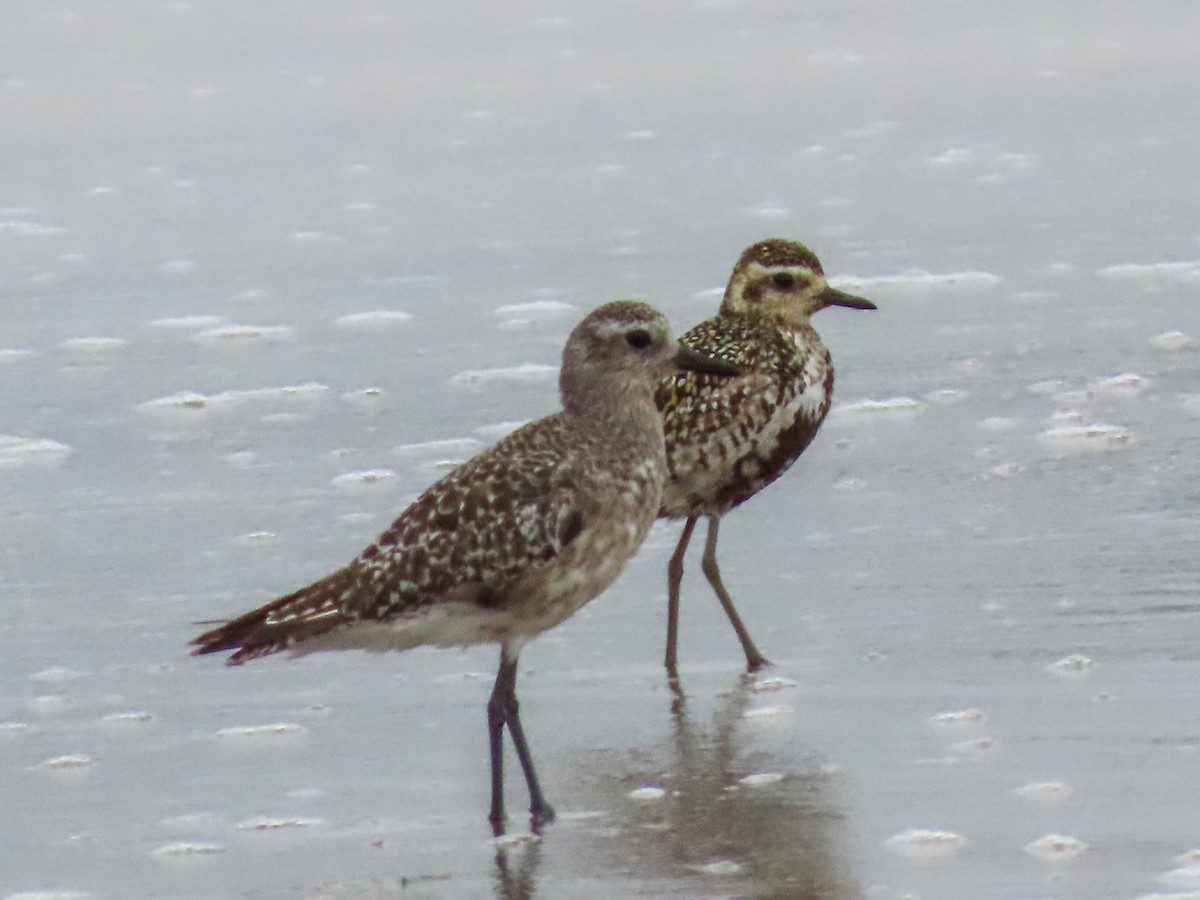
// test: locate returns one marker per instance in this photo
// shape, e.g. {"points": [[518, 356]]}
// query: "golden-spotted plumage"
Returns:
{"points": [[512, 542], [727, 439]]}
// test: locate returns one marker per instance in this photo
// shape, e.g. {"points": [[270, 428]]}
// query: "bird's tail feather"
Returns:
{"points": [[305, 613]]}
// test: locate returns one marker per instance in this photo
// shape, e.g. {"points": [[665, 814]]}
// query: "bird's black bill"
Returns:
{"points": [[834, 297], [695, 361]]}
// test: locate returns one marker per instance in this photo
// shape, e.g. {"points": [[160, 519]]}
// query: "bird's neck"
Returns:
{"points": [[620, 407]]}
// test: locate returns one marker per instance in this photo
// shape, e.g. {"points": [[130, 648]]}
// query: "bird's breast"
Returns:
{"points": [[719, 464]]}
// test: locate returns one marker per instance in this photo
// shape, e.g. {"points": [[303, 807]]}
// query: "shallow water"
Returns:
{"points": [[266, 271]]}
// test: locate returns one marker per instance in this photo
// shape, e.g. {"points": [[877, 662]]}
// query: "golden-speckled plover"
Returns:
{"points": [[727, 439], [513, 541]]}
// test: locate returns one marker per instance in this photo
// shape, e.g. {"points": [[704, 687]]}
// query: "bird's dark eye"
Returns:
{"points": [[639, 339], [784, 280]]}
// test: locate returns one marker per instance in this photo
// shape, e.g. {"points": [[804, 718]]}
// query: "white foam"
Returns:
{"points": [[1171, 340], [1006, 470], [527, 373], [1187, 271], [188, 402], [1058, 848], [946, 396], [722, 867], [185, 323], [47, 704], [256, 538], [194, 821], [14, 354], [766, 713], [1047, 387], [133, 717], [497, 430], [891, 409], [533, 308], [1085, 438], [241, 335], [953, 156], [18, 451], [1075, 664], [710, 295], [373, 320], [183, 400], [768, 211], [1184, 876], [49, 895], [760, 779], [925, 843], [69, 761], [26, 228], [975, 749], [1127, 384], [517, 324], [1045, 791], [647, 792], [958, 718], [1066, 416], [57, 675], [462, 447], [255, 732], [312, 236], [1017, 160], [278, 823], [308, 391], [968, 366], [365, 478], [996, 424], [94, 344], [920, 280], [770, 685], [872, 129], [241, 459], [367, 398], [187, 848]]}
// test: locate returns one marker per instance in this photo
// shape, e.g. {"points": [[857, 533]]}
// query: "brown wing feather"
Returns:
{"points": [[465, 539]]}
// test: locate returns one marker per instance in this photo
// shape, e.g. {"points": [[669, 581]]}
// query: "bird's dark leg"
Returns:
{"points": [[674, 578], [496, 718], [754, 659], [503, 710]]}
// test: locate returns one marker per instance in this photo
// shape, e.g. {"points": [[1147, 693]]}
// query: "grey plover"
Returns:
{"points": [[511, 542], [728, 439]]}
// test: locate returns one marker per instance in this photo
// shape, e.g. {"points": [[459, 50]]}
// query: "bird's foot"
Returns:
{"points": [[756, 661], [497, 819], [540, 814]]}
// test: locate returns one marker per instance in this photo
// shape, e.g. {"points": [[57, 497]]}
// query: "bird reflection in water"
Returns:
{"points": [[710, 834], [516, 868]]}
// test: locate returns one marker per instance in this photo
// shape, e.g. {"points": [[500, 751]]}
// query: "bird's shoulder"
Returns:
{"points": [[515, 505], [771, 360]]}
